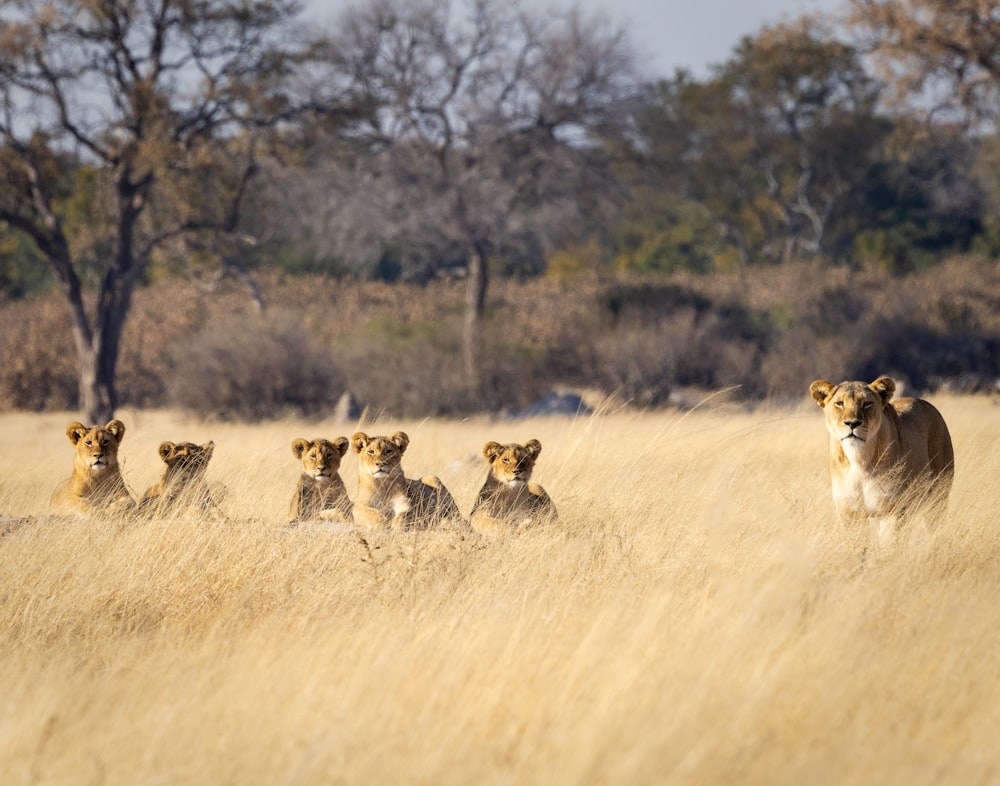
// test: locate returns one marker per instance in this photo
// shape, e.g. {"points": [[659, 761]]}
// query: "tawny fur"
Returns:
{"points": [[386, 497], [885, 456], [183, 485], [320, 493], [508, 500], [96, 485]]}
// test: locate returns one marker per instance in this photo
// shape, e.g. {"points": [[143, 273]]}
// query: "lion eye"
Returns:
{"points": [[838, 404], [867, 405]]}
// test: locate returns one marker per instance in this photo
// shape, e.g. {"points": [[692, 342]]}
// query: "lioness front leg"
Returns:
{"points": [[367, 516], [401, 507]]}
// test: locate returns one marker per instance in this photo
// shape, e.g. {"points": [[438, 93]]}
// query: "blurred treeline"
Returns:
{"points": [[788, 151], [743, 229]]}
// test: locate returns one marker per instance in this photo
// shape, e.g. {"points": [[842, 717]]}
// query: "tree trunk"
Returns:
{"points": [[97, 394], [98, 349], [475, 303], [98, 352]]}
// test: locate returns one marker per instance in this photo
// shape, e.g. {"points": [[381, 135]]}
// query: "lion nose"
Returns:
{"points": [[852, 424]]}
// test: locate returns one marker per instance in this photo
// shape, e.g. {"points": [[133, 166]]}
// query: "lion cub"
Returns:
{"points": [[321, 493], [96, 485], [386, 496], [508, 499], [183, 485]]}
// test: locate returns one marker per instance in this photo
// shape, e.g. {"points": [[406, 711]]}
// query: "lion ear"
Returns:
{"points": [[821, 390], [534, 447], [75, 431], [116, 428], [359, 440], [208, 448], [885, 387], [491, 450], [299, 446], [341, 444], [401, 440], [165, 449]]}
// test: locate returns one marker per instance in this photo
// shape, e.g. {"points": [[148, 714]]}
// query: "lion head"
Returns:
{"points": [[380, 457], [320, 457], [512, 464], [96, 446], [853, 410], [186, 462]]}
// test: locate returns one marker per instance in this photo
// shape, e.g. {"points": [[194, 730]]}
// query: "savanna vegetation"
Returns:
{"points": [[480, 149], [396, 347], [697, 615], [215, 221]]}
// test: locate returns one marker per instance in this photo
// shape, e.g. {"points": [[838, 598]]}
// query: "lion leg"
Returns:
{"points": [[484, 523], [367, 516]]}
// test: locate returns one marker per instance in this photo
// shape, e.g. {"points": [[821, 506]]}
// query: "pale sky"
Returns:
{"points": [[695, 34], [668, 34]]}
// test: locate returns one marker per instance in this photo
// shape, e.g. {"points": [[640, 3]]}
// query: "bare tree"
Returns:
{"points": [[485, 126], [126, 126]]}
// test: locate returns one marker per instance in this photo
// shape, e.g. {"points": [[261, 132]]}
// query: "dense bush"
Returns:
{"points": [[251, 369], [397, 347], [38, 367]]}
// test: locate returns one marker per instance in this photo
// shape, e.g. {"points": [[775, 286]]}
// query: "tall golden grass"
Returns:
{"points": [[697, 616]]}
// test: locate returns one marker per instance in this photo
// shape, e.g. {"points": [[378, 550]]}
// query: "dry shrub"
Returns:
{"points": [[252, 369], [405, 369], [39, 366], [659, 337], [764, 331]]}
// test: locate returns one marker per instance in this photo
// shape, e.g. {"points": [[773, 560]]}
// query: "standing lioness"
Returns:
{"points": [[884, 455], [96, 484]]}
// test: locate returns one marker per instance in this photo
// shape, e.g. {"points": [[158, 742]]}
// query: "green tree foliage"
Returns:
{"points": [[760, 162], [942, 60], [788, 152]]}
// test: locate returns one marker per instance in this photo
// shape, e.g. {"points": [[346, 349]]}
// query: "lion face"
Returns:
{"points": [[96, 446], [186, 461], [380, 457], [320, 457], [853, 410], [512, 464]]}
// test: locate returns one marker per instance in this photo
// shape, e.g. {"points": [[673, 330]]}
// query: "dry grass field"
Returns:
{"points": [[697, 616]]}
